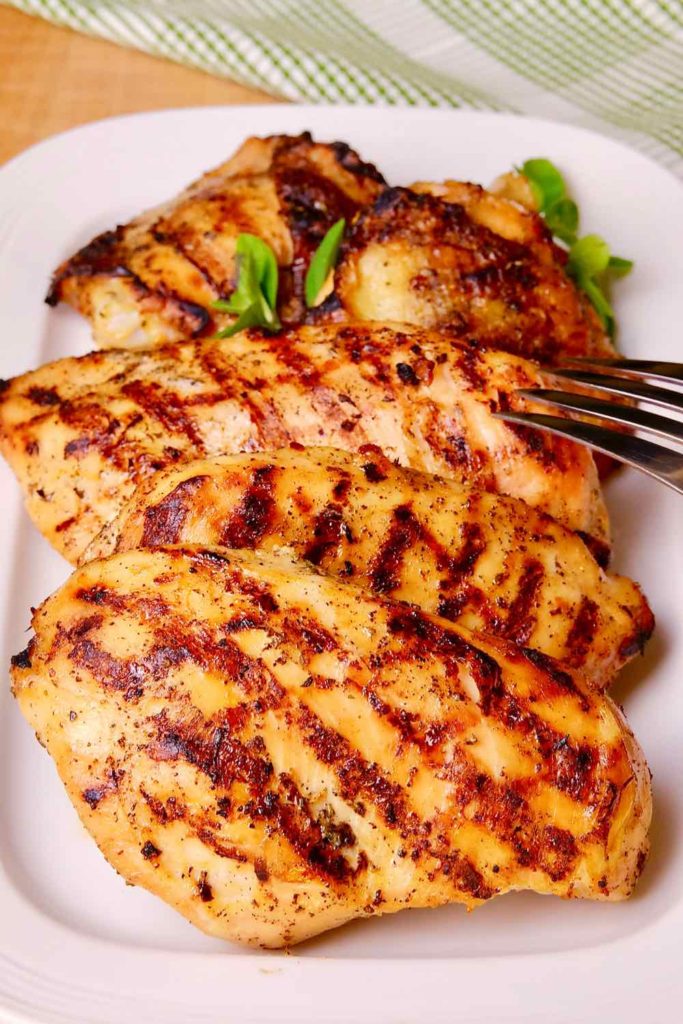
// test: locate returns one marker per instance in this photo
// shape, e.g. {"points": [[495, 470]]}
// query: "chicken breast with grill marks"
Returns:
{"points": [[81, 434], [455, 256], [274, 752], [154, 280], [487, 562]]}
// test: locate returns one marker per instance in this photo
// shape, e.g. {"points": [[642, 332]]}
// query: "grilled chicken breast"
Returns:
{"points": [[457, 257], [275, 752], [81, 434], [487, 562], [153, 280]]}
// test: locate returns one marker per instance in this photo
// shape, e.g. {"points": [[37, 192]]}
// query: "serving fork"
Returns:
{"points": [[608, 389]]}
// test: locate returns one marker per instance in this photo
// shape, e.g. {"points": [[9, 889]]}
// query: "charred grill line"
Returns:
{"points": [[360, 779], [254, 515], [164, 521]]}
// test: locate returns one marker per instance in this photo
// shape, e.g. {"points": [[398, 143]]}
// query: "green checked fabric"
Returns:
{"points": [[612, 65]]}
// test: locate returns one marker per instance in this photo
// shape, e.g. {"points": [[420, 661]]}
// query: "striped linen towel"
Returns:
{"points": [[612, 65]]}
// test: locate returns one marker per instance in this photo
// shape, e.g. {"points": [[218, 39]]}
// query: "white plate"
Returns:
{"points": [[75, 943]]}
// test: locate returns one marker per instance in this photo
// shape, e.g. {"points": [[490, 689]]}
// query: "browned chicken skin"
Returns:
{"points": [[457, 257], [153, 280], [436, 255], [81, 434], [490, 563], [275, 752]]}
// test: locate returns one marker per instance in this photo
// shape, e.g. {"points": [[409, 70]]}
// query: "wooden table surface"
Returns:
{"points": [[52, 79]]}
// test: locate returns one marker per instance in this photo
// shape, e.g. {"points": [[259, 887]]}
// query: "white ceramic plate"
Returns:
{"points": [[75, 943]]}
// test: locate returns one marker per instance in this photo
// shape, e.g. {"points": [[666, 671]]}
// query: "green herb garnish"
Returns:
{"points": [[590, 261], [589, 258], [255, 297], [324, 259], [546, 182]]}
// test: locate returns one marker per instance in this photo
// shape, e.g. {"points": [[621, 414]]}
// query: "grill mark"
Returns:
{"points": [[97, 426], [106, 256], [299, 367], [163, 523], [213, 748], [165, 407], [384, 570], [582, 632], [127, 676], [162, 233], [255, 514], [562, 680], [521, 618], [360, 779], [43, 396], [306, 633], [342, 487], [271, 431], [210, 839], [289, 812], [223, 657], [568, 766], [565, 764], [66, 524], [297, 361], [194, 321], [469, 364], [330, 531], [406, 723], [416, 628], [356, 775], [405, 531], [503, 810], [94, 795]]}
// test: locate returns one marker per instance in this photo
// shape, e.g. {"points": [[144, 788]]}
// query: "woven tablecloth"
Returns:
{"points": [[612, 65]]}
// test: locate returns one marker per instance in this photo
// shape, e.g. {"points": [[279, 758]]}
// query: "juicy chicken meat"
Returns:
{"points": [[457, 257], [275, 752], [81, 434], [490, 563], [153, 280]]}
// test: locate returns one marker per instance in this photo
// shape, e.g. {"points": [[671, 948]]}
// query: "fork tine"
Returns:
{"points": [[658, 462], [638, 368], [610, 412], [629, 389]]}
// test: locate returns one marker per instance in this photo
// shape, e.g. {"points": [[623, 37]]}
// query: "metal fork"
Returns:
{"points": [[618, 379]]}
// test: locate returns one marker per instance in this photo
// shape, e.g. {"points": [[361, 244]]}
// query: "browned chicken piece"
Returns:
{"points": [[153, 280], [275, 752], [457, 257], [490, 563], [81, 434]]}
